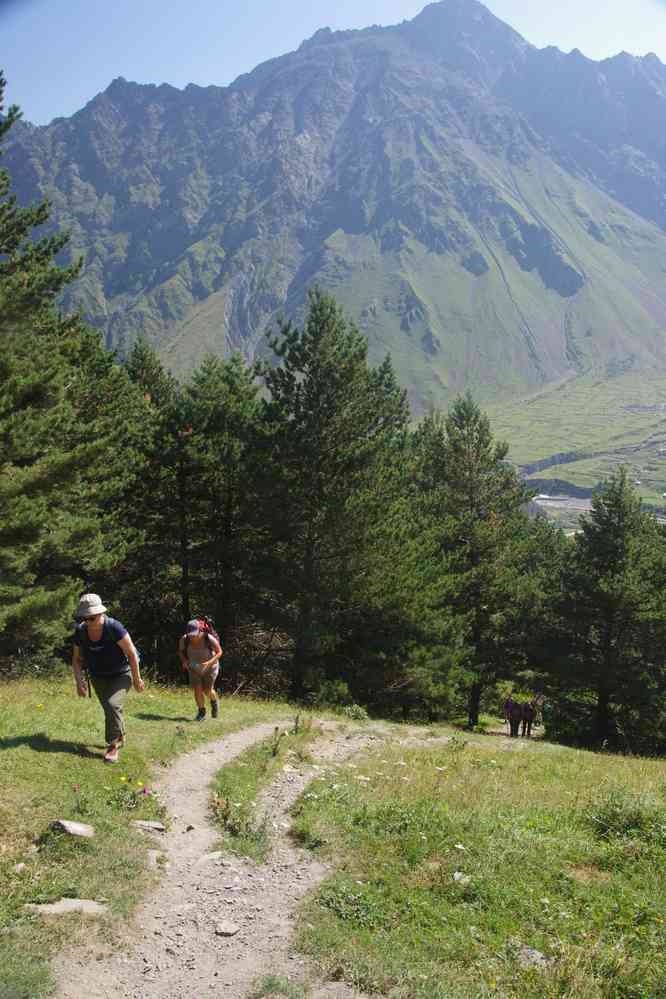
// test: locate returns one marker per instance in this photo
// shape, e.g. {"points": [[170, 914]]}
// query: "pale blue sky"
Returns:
{"points": [[57, 54]]}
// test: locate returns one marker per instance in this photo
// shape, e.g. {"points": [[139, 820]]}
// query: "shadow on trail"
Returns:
{"points": [[145, 716], [42, 743]]}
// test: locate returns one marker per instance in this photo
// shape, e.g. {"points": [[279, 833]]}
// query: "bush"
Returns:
{"points": [[569, 721], [356, 712], [619, 812]]}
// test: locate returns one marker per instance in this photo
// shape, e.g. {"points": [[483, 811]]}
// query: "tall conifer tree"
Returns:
{"points": [[45, 531], [613, 617], [332, 423]]}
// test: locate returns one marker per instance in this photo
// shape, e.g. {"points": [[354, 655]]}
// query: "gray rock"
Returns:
{"points": [[211, 858], [531, 958], [226, 929], [67, 905], [74, 828], [19, 868], [149, 826]]}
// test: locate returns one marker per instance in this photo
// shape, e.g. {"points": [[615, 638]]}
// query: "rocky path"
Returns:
{"points": [[216, 922]]}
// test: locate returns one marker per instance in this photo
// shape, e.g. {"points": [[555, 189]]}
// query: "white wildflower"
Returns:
{"points": [[461, 878]]}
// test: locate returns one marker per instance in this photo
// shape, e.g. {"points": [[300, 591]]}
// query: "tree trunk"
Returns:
{"points": [[303, 643], [474, 703], [184, 541], [602, 719]]}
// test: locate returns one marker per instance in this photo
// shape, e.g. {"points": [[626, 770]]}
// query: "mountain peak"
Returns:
{"points": [[466, 36]]}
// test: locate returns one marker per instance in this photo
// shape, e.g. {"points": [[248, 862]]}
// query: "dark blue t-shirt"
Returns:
{"points": [[104, 657]]}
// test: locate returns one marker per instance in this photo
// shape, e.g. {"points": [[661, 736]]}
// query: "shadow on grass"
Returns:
{"points": [[42, 743], [145, 716]]}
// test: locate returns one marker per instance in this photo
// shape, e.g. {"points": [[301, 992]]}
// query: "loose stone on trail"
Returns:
{"points": [[67, 905], [216, 856], [226, 929], [74, 828], [149, 826]]}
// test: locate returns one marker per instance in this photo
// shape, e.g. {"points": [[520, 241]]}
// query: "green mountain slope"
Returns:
{"points": [[492, 214]]}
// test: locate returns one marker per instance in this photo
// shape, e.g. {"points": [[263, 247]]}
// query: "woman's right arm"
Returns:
{"points": [[77, 670]]}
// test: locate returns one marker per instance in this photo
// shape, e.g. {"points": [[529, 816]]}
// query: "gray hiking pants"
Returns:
{"points": [[111, 691]]}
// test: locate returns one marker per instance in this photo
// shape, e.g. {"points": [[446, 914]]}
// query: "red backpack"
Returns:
{"points": [[206, 626]]}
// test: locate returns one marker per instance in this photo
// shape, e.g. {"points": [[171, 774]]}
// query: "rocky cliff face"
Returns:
{"points": [[492, 214]]}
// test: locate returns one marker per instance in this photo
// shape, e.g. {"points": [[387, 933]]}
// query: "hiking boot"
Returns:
{"points": [[215, 708], [111, 755], [201, 714]]}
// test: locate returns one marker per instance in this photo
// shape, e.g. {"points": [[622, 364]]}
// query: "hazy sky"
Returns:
{"points": [[57, 54]]}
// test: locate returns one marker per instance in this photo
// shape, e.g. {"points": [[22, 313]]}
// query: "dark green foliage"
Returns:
{"points": [[334, 427], [613, 620], [71, 433], [48, 529], [485, 555], [343, 557]]}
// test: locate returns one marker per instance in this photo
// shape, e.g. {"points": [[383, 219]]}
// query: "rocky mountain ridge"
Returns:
{"points": [[492, 214]]}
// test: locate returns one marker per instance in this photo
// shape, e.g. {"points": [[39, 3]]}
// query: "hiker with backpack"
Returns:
{"points": [[104, 649], [200, 651]]}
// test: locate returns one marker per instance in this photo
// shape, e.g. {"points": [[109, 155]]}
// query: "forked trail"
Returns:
{"points": [[178, 949]]}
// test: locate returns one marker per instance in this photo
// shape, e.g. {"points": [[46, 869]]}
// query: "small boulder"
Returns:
{"points": [[226, 929], [210, 858], [149, 826], [67, 905], [531, 958], [74, 828], [461, 878]]}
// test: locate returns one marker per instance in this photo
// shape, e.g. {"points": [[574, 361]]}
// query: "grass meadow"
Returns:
{"points": [[51, 744], [466, 871], [478, 867]]}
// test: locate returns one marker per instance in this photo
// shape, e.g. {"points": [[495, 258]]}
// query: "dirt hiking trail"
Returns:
{"points": [[178, 948], [178, 944]]}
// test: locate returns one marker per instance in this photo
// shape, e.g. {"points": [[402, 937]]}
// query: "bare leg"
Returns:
{"points": [[209, 691]]}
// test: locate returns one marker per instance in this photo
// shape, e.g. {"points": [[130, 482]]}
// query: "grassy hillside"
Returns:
{"points": [[595, 425], [469, 871], [51, 767], [461, 868]]}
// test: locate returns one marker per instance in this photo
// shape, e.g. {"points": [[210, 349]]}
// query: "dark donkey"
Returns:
{"points": [[513, 712], [528, 713]]}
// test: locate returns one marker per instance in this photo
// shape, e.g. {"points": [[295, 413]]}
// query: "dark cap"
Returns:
{"points": [[193, 627]]}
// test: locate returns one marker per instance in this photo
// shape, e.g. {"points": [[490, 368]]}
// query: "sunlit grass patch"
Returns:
{"points": [[51, 767], [457, 866], [238, 785], [271, 986]]}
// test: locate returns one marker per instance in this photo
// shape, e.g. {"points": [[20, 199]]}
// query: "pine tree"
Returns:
{"points": [[44, 530], [332, 423], [154, 581], [225, 552], [613, 616], [481, 506]]}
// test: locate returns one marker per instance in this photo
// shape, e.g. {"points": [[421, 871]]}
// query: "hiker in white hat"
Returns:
{"points": [[104, 648]]}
